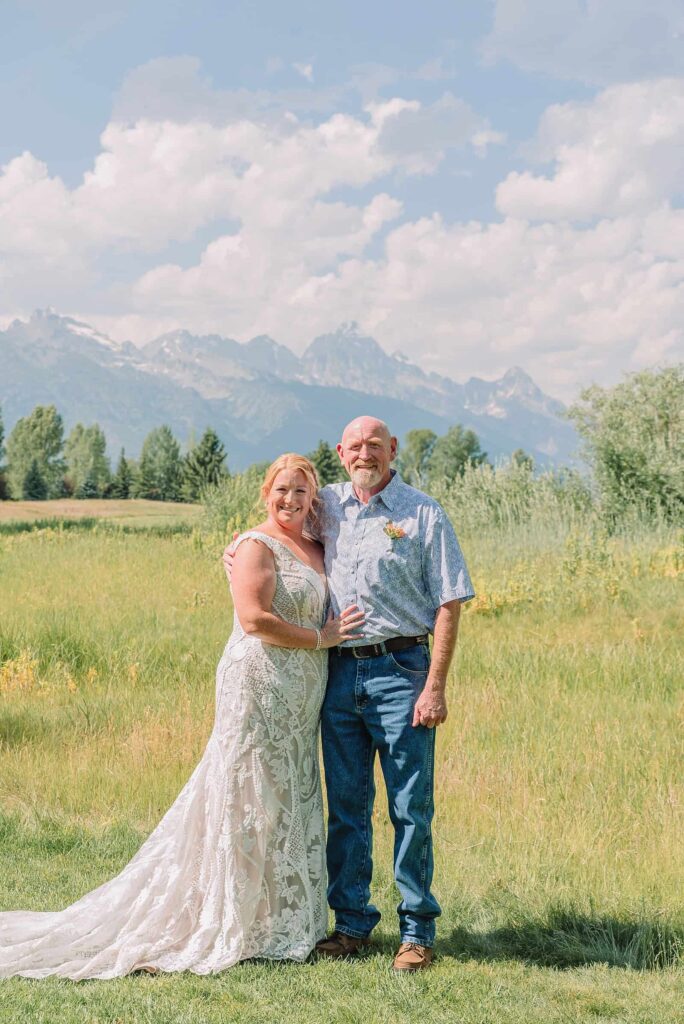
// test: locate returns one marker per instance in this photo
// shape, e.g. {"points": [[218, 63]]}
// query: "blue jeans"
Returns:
{"points": [[369, 707]]}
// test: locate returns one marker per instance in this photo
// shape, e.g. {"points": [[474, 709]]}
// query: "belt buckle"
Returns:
{"points": [[374, 651]]}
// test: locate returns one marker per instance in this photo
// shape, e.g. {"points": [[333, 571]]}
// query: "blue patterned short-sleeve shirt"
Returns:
{"points": [[399, 582]]}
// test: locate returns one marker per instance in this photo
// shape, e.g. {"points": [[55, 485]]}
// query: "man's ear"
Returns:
{"points": [[394, 445], [340, 451]]}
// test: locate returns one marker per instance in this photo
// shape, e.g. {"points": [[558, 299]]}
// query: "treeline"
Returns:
{"points": [[633, 445], [453, 468], [633, 438], [38, 463]]}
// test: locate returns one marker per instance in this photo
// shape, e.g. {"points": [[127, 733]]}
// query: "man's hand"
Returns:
{"points": [[228, 556], [430, 709]]}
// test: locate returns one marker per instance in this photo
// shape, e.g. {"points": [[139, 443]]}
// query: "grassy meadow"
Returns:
{"points": [[559, 824], [133, 512]]}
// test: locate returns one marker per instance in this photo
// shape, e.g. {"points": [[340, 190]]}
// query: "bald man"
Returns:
{"points": [[391, 550]]}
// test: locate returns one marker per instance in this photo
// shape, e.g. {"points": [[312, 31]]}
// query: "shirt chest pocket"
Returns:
{"points": [[399, 560]]}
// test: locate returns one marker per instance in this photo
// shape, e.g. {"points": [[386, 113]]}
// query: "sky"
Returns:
{"points": [[477, 184]]}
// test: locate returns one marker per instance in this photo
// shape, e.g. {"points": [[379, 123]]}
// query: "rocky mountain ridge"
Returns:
{"points": [[259, 395]]}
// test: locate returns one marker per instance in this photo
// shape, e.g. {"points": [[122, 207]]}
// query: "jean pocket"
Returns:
{"points": [[413, 662]]}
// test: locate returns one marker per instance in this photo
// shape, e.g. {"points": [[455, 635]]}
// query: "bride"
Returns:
{"points": [[236, 868]]}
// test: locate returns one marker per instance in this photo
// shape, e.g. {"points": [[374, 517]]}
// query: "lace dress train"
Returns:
{"points": [[236, 868]]}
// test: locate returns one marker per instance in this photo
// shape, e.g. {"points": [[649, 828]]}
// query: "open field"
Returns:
{"points": [[133, 512], [560, 819]]}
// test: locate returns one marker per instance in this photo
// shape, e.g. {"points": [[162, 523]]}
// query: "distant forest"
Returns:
{"points": [[633, 438]]}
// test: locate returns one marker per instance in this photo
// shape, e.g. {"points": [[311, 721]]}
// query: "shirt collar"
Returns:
{"points": [[388, 495]]}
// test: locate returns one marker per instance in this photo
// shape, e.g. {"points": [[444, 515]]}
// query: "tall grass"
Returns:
{"points": [[483, 498], [559, 822], [509, 495], [233, 505], [91, 523]]}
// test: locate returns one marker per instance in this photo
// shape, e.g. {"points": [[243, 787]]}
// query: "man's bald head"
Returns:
{"points": [[367, 450], [369, 426]]}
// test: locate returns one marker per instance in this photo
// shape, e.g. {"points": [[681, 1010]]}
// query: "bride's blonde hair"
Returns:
{"points": [[290, 460]]}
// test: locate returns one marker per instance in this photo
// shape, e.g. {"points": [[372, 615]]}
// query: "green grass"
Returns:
{"points": [[133, 513], [559, 822], [87, 524]]}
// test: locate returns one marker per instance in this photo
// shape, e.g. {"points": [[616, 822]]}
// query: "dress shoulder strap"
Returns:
{"points": [[263, 538]]}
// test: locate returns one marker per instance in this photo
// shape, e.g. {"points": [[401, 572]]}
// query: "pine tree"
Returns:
{"points": [[328, 466], [204, 465], [89, 488], [160, 467], [34, 487], [123, 479]]}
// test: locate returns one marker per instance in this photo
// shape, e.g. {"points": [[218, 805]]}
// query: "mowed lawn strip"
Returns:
{"points": [[133, 511], [559, 810]]}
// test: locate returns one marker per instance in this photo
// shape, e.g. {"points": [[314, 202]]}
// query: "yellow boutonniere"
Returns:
{"points": [[394, 532]]}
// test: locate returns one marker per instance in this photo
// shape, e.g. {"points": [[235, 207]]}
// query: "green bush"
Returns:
{"points": [[634, 442], [233, 505]]}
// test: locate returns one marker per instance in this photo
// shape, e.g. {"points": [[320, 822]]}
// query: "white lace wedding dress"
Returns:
{"points": [[236, 868]]}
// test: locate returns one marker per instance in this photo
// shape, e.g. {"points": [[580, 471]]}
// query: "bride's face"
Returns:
{"points": [[289, 500]]}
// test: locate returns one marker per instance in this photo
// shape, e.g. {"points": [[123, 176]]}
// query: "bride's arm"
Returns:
{"points": [[253, 583]]}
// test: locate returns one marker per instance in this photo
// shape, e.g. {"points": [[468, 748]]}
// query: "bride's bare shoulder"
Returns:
{"points": [[252, 551]]}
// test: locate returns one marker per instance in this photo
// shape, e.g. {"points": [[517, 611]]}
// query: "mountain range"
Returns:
{"points": [[259, 396]]}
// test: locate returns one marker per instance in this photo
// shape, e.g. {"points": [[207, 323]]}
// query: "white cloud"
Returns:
{"points": [[583, 277], [596, 41], [570, 304], [305, 70], [419, 135], [483, 138], [619, 153], [175, 89], [434, 70], [25, 188], [158, 180], [252, 278]]}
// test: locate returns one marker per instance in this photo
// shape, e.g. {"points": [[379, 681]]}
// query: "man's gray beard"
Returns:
{"points": [[366, 478]]}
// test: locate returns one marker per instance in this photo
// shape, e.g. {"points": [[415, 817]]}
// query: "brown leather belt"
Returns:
{"points": [[395, 643]]}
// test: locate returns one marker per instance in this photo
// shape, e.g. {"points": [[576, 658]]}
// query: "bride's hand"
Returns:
{"points": [[337, 630]]}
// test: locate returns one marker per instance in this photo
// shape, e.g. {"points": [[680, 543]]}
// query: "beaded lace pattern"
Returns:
{"points": [[236, 868]]}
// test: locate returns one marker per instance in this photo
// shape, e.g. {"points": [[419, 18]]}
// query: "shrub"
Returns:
{"points": [[233, 504], [634, 442]]}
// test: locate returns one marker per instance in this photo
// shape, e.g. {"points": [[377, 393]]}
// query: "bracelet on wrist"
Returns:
{"points": [[319, 640]]}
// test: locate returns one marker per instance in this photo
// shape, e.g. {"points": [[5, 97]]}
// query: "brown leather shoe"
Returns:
{"points": [[412, 957], [338, 945]]}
